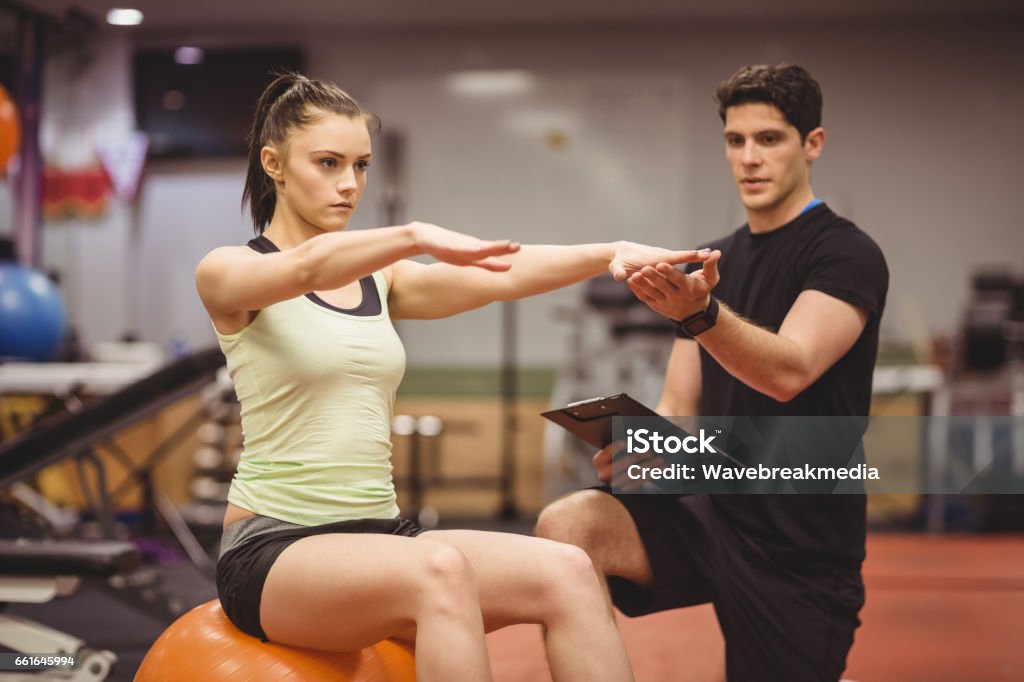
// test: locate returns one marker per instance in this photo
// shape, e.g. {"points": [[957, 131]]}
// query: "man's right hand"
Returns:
{"points": [[603, 460], [675, 294], [612, 466]]}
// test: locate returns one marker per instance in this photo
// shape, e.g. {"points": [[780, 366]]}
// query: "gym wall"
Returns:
{"points": [[917, 154]]}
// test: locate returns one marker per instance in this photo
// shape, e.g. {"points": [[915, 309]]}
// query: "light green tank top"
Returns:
{"points": [[317, 388]]}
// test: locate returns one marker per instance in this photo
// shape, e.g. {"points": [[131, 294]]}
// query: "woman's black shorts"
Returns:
{"points": [[249, 548]]}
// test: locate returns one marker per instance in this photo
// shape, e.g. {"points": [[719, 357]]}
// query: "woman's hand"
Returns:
{"points": [[462, 249], [631, 258]]}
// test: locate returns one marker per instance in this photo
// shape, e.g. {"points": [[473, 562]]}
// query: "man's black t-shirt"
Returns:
{"points": [[761, 277]]}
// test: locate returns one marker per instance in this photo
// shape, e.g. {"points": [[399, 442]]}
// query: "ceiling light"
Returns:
{"points": [[189, 55], [490, 83], [124, 17]]}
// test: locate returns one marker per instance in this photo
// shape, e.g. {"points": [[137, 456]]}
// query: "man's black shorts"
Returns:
{"points": [[779, 623]]}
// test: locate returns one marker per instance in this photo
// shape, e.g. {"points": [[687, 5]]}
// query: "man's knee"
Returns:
{"points": [[560, 520], [601, 525], [571, 519]]}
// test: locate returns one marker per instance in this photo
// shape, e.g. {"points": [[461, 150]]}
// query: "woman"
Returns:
{"points": [[314, 553]]}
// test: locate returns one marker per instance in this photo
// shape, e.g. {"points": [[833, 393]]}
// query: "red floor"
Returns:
{"points": [[939, 609]]}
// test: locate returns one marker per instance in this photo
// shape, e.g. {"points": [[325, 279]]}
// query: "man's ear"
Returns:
{"points": [[814, 143], [272, 163]]}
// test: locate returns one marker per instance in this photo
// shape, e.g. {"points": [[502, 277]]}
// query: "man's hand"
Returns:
{"points": [[675, 294], [612, 466], [603, 460]]}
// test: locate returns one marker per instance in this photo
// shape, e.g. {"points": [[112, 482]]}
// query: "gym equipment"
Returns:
{"points": [[988, 381], [32, 317], [204, 645], [36, 571], [217, 457], [63, 378], [996, 303], [10, 130], [60, 436], [84, 426], [424, 468]]}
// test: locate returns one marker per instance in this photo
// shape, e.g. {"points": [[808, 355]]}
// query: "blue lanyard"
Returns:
{"points": [[808, 207]]}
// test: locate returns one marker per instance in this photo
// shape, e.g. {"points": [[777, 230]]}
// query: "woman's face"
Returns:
{"points": [[323, 173]]}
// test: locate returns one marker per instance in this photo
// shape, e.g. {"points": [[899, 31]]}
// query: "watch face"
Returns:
{"points": [[697, 326]]}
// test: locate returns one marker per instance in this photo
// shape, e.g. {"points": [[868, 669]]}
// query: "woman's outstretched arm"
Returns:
{"points": [[234, 279], [420, 291]]}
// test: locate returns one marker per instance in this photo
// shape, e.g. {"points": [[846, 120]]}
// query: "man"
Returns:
{"points": [[782, 319]]}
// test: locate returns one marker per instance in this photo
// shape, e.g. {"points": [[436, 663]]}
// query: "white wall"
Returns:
{"points": [[185, 211], [921, 152], [578, 158], [88, 100]]}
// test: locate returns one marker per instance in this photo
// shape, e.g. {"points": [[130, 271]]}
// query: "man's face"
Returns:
{"points": [[769, 163]]}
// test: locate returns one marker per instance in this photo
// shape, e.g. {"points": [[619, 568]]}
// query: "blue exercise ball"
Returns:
{"points": [[32, 317]]}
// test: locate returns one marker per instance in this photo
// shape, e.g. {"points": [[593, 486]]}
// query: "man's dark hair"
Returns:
{"points": [[789, 88]]}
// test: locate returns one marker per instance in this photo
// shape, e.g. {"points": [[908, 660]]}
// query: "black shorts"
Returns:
{"points": [[242, 570], [778, 623]]}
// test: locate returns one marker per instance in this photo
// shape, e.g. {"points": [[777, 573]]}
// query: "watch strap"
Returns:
{"points": [[698, 323]]}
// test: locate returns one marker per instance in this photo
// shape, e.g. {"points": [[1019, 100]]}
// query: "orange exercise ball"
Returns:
{"points": [[204, 645], [10, 130]]}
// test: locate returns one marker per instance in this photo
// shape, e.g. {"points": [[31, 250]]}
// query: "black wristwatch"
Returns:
{"points": [[699, 323]]}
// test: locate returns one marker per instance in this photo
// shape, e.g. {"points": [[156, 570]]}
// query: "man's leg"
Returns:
{"points": [[649, 548], [784, 625], [667, 551], [602, 526]]}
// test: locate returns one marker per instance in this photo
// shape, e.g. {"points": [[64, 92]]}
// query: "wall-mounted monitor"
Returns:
{"points": [[196, 103]]}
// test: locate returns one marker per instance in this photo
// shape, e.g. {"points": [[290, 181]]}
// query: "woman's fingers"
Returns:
{"points": [[630, 258], [492, 264], [479, 253], [496, 248], [680, 257]]}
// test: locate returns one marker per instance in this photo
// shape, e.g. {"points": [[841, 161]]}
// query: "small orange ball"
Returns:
{"points": [[10, 130]]}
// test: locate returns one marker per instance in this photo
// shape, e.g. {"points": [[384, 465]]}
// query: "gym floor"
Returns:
{"points": [[946, 608]]}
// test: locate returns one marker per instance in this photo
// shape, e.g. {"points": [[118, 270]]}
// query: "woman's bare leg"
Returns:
{"points": [[343, 592], [523, 579]]}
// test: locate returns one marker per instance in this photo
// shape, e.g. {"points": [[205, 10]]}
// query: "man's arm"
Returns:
{"points": [[680, 396], [817, 331]]}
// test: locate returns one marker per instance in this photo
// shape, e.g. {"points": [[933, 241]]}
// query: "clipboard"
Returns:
{"points": [[591, 420]]}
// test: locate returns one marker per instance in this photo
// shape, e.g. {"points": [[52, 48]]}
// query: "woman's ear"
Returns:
{"points": [[272, 163]]}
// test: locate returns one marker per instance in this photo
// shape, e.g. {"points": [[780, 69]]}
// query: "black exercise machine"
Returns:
{"points": [[37, 570]]}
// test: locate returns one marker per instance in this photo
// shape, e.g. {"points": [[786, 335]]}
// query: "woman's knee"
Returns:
{"points": [[444, 579], [573, 567], [569, 584]]}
